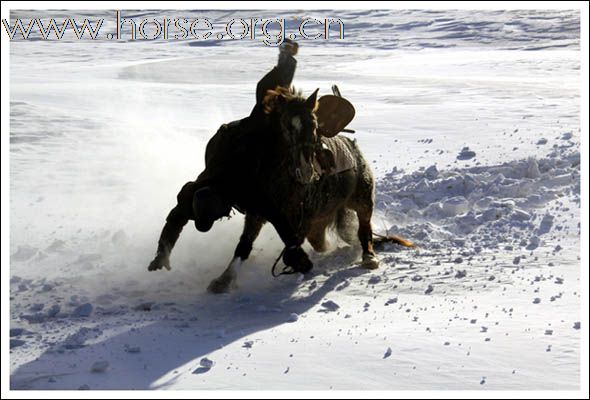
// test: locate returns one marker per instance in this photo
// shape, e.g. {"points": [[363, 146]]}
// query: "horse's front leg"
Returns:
{"points": [[294, 256], [176, 220], [252, 226], [170, 233]]}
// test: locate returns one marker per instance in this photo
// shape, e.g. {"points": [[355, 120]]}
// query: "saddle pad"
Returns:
{"points": [[342, 153]]}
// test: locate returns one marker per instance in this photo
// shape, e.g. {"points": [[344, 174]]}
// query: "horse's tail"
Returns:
{"points": [[346, 224], [381, 239]]}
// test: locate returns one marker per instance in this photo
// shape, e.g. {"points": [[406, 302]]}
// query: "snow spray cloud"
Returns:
{"points": [[95, 223], [272, 30], [99, 227]]}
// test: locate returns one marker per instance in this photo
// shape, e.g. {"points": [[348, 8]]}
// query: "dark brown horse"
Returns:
{"points": [[274, 174]]}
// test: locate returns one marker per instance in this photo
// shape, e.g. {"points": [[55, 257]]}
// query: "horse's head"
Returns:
{"points": [[208, 205], [294, 117]]}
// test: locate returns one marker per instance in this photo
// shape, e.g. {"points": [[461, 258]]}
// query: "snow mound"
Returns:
{"points": [[484, 206]]}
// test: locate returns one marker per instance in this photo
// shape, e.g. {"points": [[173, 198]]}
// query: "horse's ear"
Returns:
{"points": [[311, 101]]}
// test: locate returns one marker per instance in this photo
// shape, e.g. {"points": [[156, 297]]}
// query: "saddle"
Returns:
{"points": [[333, 114]]}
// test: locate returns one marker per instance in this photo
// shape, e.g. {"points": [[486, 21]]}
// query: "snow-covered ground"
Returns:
{"points": [[471, 122]]}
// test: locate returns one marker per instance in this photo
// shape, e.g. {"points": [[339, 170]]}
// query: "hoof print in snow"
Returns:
{"points": [[132, 349], [576, 325], [391, 301], [329, 306], [14, 332], [387, 353], [16, 343], [147, 306], [466, 154], [99, 366], [83, 310]]}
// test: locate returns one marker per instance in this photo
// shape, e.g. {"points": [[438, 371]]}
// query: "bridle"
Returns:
{"points": [[296, 150]]}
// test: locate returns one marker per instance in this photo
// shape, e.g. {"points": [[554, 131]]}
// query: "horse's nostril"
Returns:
{"points": [[208, 206]]}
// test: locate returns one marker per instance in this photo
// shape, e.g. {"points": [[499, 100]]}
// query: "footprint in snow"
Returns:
{"points": [[329, 306], [387, 353]]}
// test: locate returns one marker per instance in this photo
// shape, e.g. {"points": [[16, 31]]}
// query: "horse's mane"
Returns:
{"points": [[281, 95]]}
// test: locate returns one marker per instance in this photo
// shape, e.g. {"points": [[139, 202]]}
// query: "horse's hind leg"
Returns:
{"points": [[252, 226], [365, 233], [362, 203], [317, 235]]}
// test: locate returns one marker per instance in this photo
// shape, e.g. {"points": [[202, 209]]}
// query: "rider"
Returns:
{"points": [[206, 203], [201, 200]]}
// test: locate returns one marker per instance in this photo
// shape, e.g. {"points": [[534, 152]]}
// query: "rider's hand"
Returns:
{"points": [[289, 46]]}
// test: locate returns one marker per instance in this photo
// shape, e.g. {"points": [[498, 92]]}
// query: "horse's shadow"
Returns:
{"points": [[170, 343]]}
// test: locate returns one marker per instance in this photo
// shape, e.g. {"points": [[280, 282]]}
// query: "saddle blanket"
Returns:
{"points": [[342, 153]]}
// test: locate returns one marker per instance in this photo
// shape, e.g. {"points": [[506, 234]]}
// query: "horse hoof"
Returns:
{"points": [[370, 262], [298, 260], [159, 262], [305, 267], [220, 285]]}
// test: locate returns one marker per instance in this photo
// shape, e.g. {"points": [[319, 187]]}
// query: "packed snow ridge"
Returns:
{"points": [[490, 207]]}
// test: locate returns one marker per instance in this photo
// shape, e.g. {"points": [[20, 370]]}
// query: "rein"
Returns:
{"points": [[286, 269], [295, 151]]}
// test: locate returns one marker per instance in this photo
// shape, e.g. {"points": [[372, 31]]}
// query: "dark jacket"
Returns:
{"points": [[281, 75], [229, 157]]}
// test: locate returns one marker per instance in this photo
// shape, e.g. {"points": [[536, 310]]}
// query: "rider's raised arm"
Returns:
{"points": [[282, 74]]}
